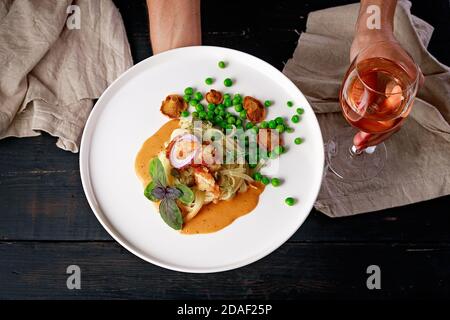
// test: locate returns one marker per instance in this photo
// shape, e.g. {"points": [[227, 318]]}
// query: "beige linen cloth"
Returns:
{"points": [[50, 74], [418, 164]]}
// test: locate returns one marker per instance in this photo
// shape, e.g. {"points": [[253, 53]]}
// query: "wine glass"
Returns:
{"points": [[376, 96]]}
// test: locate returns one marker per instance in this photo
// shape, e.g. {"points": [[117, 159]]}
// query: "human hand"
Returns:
{"points": [[174, 24], [363, 39]]}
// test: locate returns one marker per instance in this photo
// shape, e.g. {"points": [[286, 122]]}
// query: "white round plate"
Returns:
{"points": [[128, 113]]}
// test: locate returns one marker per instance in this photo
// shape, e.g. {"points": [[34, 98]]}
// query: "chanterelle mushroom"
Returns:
{"points": [[173, 105], [214, 96], [255, 109]]}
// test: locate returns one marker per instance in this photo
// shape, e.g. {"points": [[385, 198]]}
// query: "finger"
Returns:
{"points": [[360, 139], [363, 140]]}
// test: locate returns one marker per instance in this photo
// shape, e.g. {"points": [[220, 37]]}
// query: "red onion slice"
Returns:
{"points": [[183, 149]]}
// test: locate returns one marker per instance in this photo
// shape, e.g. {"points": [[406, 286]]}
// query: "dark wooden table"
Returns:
{"points": [[47, 225]]}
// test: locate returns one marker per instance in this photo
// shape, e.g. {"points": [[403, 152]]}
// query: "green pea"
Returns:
{"points": [[275, 182], [210, 117], [227, 102], [280, 128], [227, 82], [231, 120], [279, 120], [238, 107], [185, 114], [199, 107], [238, 122], [226, 96], [290, 104], [195, 114], [300, 110], [187, 97], [198, 96], [222, 113], [202, 115], [257, 176], [221, 64], [265, 180], [272, 124], [255, 128], [249, 125], [193, 102], [290, 130], [267, 103], [252, 165], [298, 140], [243, 114], [229, 126], [295, 119], [220, 107], [278, 150], [289, 201], [218, 119], [209, 81], [264, 125], [211, 106], [189, 91]]}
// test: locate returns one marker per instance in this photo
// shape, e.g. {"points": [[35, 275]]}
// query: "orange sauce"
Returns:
{"points": [[150, 149], [213, 216]]}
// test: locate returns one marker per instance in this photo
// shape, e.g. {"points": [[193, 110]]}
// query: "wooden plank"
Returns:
{"points": [[246, 25], [295, 271], [436, 13], [40, 191], [135, 18], [44, 200], [41, 196]]}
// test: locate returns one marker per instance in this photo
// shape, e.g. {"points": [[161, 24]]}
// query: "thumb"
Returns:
{"points": [[363, 140]]}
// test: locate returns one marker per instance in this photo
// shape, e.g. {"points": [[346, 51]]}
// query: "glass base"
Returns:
{"points": [[351, 166]]}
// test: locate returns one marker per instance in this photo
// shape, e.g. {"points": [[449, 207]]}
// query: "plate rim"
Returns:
{"points": [[89, 192]]}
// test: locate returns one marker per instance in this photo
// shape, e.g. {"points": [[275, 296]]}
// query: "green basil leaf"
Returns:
{"points": [[171, 214], [157, 172], [148, 192], [187, 196]]}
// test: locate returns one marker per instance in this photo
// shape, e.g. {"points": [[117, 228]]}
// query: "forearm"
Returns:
{"points": [[365, 25], [174, 23]]}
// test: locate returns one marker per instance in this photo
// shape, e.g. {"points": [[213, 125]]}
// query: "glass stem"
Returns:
{"points": [[370, 150], [355, 152]]}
